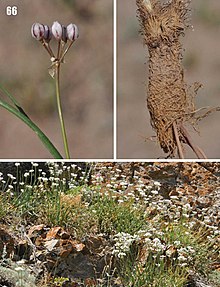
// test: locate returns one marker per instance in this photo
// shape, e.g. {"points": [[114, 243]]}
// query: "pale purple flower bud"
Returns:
{"points": [[47, 33], [57, 30], [64, 34], [37, 31], [72, 32]]}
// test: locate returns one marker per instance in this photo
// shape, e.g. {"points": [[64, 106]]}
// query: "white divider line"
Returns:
{"points": [[115, 79]]}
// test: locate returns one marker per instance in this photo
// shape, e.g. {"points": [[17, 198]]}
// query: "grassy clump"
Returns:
{"points": [[113, 217], [155, 274]]}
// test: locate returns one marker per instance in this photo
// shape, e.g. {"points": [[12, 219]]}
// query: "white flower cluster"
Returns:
{"points": [[155, 245], [123, 242], [60, 177], [152, 242]]}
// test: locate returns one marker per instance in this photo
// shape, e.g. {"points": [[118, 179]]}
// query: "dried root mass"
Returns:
{"points": [[170, 100]]}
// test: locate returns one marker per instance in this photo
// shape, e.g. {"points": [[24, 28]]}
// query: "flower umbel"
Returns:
{"points": [[63, 34]]}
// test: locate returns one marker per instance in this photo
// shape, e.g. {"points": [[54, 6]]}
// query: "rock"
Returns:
{"points": [[56, 250], [67, 257], [4, 281], [197, 281], [15, 276], [7, 243]]}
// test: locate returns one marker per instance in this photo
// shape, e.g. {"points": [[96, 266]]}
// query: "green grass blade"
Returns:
{"points": [[13, 100], [6, 92], [45, 140]]}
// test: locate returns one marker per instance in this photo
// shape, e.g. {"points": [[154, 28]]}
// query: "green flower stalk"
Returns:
{"points": [[59, 34], [59, 107]]}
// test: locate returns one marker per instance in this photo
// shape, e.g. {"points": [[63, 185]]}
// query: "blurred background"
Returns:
{"points": [[201, 62], [86, 79]]}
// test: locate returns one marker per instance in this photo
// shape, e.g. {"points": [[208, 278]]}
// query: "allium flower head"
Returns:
{"points": [[72, 32], [57, 30]]}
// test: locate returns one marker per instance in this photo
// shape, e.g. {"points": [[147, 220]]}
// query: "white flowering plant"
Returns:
{"points": [[154, 238]]}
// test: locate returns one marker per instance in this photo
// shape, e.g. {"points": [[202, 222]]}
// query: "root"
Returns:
{"points": [[197, 150], [179, 146]]}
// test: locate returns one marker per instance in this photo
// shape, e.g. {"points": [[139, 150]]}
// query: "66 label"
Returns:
{"points": [[11, 10]]}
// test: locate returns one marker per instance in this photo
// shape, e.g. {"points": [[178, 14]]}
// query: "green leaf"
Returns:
{"points": [[18, 112], [13, 100]]}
